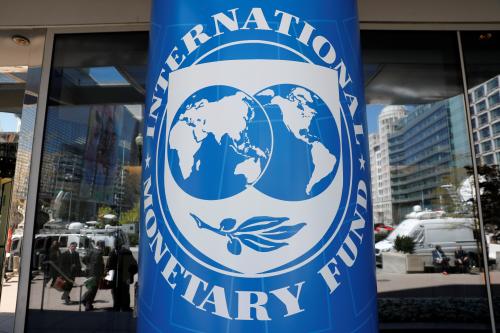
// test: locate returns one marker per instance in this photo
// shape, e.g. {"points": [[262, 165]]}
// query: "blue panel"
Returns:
{"points": [[256, 210]]}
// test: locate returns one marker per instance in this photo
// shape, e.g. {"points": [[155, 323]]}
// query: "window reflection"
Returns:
{"points": [[427, 241], [84, 262], [482, 65], [12, 88]]}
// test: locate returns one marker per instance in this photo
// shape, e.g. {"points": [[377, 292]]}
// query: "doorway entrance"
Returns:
{"points": [[14, 65]]}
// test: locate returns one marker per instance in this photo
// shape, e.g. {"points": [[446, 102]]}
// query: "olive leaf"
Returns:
{"points": [[227, 224], [259, 233]]}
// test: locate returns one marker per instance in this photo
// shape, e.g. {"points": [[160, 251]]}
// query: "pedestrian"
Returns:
{"points": [[440, 259], [124, 265], [54, 257], [71, 268], [462, 260], [95, 266]]}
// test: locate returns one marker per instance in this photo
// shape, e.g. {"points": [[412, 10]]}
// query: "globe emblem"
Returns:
{"points": [[306, 143], [220, 143], [284, 142], [252, 176]]}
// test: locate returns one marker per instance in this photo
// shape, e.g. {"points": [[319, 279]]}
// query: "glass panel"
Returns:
{"points": [[88, 197], [494, 99], [482, 64], [13, 76], [481, 106], [492, 85], [427, 246]]}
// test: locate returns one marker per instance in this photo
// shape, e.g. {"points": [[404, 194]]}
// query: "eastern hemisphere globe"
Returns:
{"points": [[306, 150], [219, 144]]}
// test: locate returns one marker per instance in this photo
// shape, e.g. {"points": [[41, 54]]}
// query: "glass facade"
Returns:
{"points": [[89, 187], [423, 170], [414, 81], [482, 65]]}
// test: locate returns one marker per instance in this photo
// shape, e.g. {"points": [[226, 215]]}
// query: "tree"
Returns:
{"points": [[102, 211], [489, 186], [130, 216]]}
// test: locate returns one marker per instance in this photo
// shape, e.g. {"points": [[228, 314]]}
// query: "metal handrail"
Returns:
{"points": [[51, 263], [65, 277]]}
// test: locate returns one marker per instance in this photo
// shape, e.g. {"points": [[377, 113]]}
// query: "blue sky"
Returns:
{"points": [[8, 122], [372, 112]]}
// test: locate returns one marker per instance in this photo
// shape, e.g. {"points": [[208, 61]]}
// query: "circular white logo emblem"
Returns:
{"points": [[254, 163]]}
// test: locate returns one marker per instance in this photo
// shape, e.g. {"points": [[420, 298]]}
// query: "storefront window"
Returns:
{"points": [[482, 64], [427, 241], [86, 225], [12, 87]]}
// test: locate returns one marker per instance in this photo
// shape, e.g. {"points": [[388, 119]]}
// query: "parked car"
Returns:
{"points": [[429, 229]]}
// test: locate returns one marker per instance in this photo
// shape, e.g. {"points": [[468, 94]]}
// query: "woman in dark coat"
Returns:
{"points": [[124, 265], [54, 256]]}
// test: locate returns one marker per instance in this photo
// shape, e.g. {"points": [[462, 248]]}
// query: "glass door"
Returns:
{"points": [[430, 273], [482, 66], [14, 61], [88, 194]]}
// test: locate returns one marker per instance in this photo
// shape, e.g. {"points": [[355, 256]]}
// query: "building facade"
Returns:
{"points": [[380, 163], [485, 110], [427, 153]]}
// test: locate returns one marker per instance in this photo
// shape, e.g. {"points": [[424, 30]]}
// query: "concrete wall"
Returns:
{"points": [[42, 13]]}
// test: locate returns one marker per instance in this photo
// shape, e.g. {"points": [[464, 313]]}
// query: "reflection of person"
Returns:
{"points": [[124, 265], [71, 267], [440, 259], [95, 266], [462, 260], [54, 256]]}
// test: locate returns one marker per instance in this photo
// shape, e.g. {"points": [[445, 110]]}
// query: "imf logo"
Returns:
{"points": [[254, 171]]}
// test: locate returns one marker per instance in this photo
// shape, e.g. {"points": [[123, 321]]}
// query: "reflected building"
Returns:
{"points": [[8, 151], [380, 164], [485, 112], [85, 154], [428, 152]]}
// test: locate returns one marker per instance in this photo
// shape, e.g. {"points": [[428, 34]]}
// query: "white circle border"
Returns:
{"points": [[241, 275]]}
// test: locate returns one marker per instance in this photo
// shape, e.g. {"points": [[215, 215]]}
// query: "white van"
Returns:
{"points": [[108, 235], [428, 230]]}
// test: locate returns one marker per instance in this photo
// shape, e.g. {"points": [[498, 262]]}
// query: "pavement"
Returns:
{"points": [[48, 298], [424, 285], [8, 305], [435, 285]]}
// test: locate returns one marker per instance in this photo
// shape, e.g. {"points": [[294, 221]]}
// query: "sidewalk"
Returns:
{"points": [[8, 305]]}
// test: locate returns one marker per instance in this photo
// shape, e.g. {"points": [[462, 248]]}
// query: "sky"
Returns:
{"points": [[372, 112], [8, 122]]}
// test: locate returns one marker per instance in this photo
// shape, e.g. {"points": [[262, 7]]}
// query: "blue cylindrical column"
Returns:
{"points": [[256, 210]]}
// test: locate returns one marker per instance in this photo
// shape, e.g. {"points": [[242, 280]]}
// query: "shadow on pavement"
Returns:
{"points": [[80, 322], [6, 322]]}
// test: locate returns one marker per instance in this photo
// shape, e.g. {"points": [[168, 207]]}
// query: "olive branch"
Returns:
{"points": [[260, 233]]}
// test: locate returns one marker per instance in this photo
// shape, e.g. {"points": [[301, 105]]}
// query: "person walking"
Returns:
{"points": [[71, 268], [54, 257], [95, 265], [124, 265]]}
